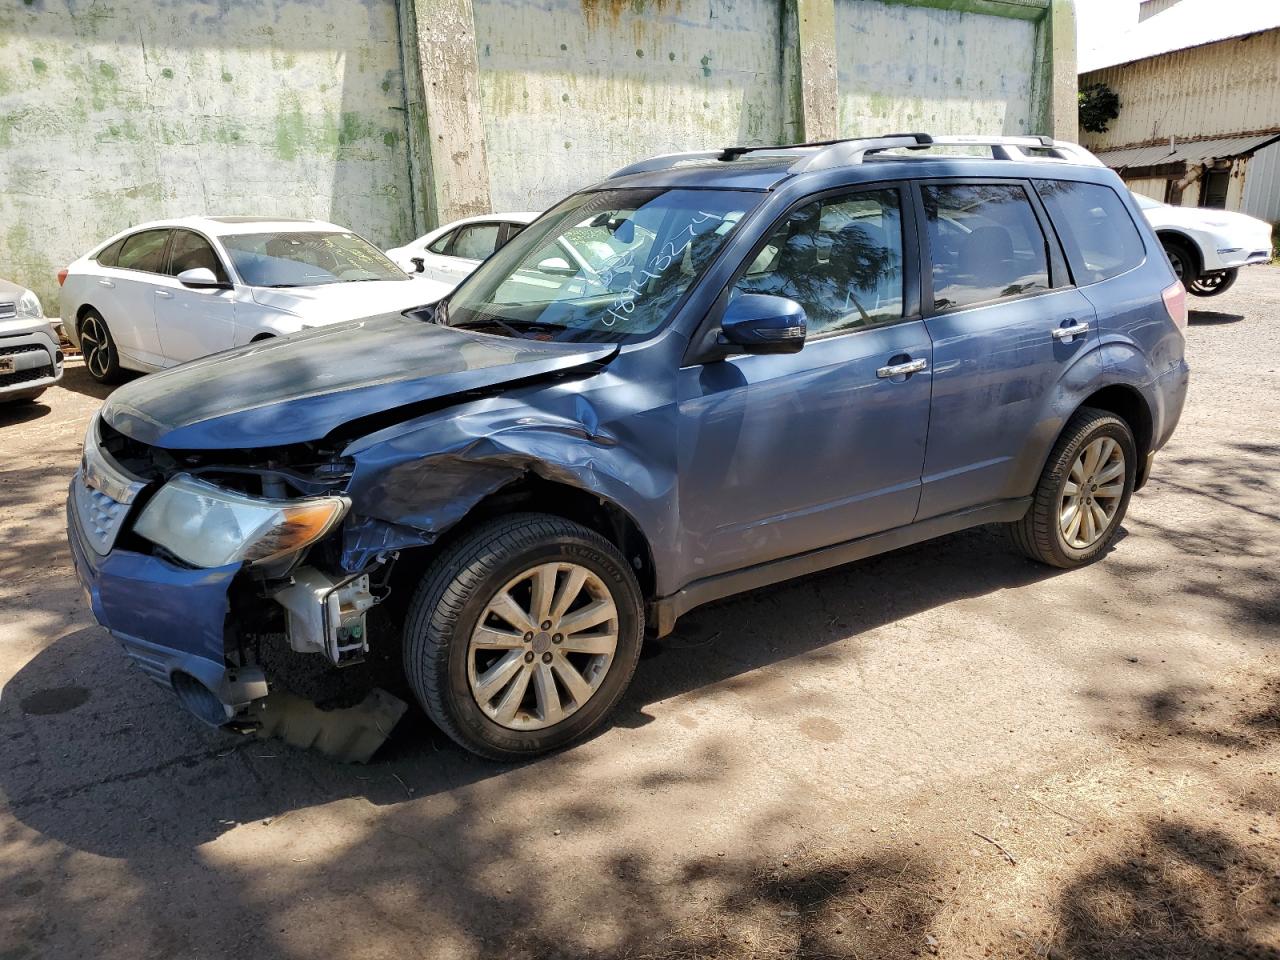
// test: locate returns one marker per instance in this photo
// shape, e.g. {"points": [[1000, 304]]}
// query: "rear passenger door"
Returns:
{"points": [[126, 299], [1010, 337]]}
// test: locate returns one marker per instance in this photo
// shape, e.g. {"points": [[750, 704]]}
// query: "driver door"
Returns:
{"points": [[782, 454]]}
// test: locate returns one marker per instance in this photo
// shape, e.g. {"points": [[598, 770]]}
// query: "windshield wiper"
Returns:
{"points": [[513, 327]]}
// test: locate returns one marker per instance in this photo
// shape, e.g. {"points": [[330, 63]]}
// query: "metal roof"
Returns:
{"points": [[1189, 23], [1193, 152]]}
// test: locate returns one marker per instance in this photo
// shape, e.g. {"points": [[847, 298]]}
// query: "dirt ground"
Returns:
{"points": [[947, 750]]}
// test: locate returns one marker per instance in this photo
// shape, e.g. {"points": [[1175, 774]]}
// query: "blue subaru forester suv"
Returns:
{"points": [[706, 374]]}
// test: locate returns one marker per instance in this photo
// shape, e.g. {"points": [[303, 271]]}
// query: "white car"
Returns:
{"points": [[170, 291], [1207, 247], [30, 358], [448, 254]]}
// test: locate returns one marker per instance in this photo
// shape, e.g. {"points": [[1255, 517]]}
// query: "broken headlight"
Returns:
{"points": [[208, 526]]}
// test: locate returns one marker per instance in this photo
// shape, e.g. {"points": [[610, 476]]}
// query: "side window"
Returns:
{"points": [[477, 241], [839, 258], [190, 250], [984, 243], [442, 244], [144, 251], [109, 256], [1096, 229]]}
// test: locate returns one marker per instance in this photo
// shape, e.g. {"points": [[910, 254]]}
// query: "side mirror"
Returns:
{"points": [[201, 278], [419, 264], [761, 323], [556, 265]]}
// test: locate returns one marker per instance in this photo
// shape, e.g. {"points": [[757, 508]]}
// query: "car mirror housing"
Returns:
{"points": [[201, 278], [761, 323]]}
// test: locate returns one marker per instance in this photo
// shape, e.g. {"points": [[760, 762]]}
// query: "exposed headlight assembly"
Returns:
{"points": [[208, 526]]}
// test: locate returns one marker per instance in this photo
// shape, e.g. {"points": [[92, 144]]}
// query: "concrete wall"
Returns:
{"points": [[573, 89], [906, 68], [391, 115], [117, 111]]}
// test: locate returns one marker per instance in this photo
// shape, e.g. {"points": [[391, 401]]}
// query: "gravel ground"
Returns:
{"points": [[946, 750]]}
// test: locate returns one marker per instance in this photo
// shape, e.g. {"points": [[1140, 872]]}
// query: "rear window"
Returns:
{"points": [[1099, 235]]}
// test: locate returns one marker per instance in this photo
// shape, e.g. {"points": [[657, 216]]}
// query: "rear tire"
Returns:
{"points": [[1091, 491], [98, 347], [1212, 284], [509, 690]]}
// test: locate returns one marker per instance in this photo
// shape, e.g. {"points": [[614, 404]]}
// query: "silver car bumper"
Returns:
{"points": [[30, 361]]}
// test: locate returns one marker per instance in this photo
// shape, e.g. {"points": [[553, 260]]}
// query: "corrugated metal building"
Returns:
{"points": [[1199, 88]]}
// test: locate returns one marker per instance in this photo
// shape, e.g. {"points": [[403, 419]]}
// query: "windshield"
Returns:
{"points": [[601, 267], [307, 259], [1146, 203]]}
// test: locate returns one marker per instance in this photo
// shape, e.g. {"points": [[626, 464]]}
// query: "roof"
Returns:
{"points": [[227, 226], [1192, 152], [1189, 23]]}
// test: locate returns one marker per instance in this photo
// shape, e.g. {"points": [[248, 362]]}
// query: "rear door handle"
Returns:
{"points": [[165, 294], [902, 369], [1069, 330], [105, 283]]}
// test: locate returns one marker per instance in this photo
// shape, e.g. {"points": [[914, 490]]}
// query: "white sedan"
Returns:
{"points": [[448, 254], [173, 290], [1207, 247]]}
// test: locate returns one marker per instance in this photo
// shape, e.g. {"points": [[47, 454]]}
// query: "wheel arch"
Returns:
{"points": [[1131, 406], [1185, 240]]}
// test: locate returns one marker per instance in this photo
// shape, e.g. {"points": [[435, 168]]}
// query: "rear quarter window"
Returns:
{"points": [[108, 257], [1100, 237]]}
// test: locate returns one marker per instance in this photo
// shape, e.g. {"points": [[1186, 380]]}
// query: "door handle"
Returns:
{"points": [[902, 369], [164, 294], [1069, 332], [105, 283]]}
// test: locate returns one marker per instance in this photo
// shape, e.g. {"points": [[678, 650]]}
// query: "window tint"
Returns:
{"points": [[476, 242], [108, 257], [840, 259], [190, 250], [441, 245], [984, 243], [143, 251], [1095, 227]]}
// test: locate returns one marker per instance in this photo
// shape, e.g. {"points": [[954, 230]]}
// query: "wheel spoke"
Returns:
{"points": [[568, 592], [1090, 458], [1100, 519], [596, 643], [1111, 472], [544, 688], [505, 710], [493, 639], [506, 607], [1070, 489], [1069, 513], [544, 588], [1077, 471], [573, 681], [1115, 490], [496, 677], [592, 615], [1087, 532], [1073, 528]]}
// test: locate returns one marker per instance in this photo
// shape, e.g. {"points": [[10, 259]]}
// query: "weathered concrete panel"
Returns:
{"points": [[922, 68], [117, 111], [572, 89]]}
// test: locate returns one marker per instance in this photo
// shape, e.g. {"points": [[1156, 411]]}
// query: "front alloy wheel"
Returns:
{"points": [[543, 646], [523, 635]]}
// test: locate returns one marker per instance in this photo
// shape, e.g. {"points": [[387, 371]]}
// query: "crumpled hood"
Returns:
{"points": [[337, 302], [300, 388]]}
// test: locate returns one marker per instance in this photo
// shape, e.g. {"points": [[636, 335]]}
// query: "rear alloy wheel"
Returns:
{"points": [[1212, 284], [523, 635], [1083, 493], [98, 348]]}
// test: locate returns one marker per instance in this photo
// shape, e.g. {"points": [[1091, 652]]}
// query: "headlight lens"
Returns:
{"points": [[29, 307], [207, 526]]}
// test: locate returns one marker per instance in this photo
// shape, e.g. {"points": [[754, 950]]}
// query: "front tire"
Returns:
{"points": [[1083, 493], [523, 635], [101, 358]]}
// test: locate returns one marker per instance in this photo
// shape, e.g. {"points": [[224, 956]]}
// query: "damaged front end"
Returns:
{"points": [[226, 578]]}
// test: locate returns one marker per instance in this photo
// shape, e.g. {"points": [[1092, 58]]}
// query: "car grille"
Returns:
{"points": [[100, 516], [24, 348], [8, 309], [26, 376]]}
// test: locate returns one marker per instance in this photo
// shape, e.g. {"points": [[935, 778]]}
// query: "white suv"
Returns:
{"points": [[170, 291]]}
